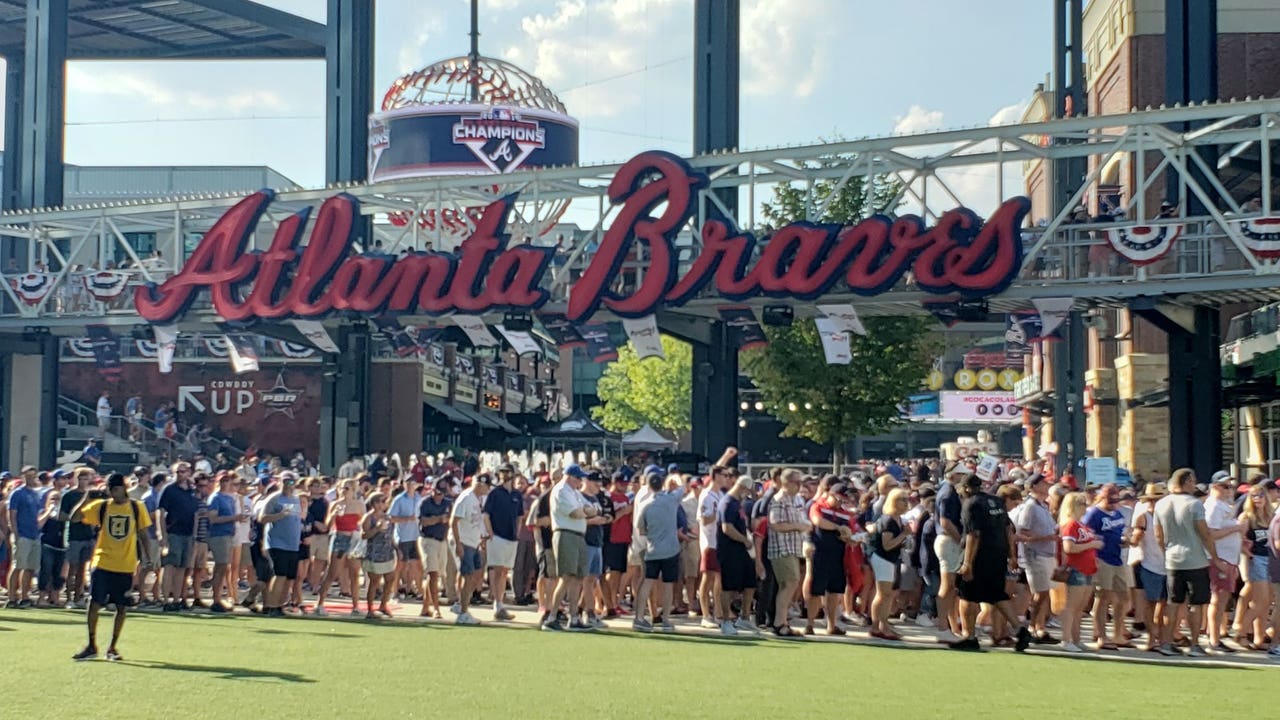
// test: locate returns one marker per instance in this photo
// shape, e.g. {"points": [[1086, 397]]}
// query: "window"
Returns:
{"points": [[143, 245]]}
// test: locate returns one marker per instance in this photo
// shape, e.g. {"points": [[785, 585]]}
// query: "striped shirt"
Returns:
{"points": [[784, 544]]}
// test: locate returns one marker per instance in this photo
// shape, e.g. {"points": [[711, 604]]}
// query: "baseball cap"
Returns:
{"points": [[1221, 477], [506, 467], [6, 475], [595, 476], [264, 479], [672, 468], [653, 470], [746, 482], [139, 470], [575, 471], [620, 477], [59, 474], [483, 479], [115, 480], [288, 477], [28, 468]]}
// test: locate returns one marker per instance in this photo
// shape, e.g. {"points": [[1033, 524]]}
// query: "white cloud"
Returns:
{"points": [[417, 52], [145, 90], [917, 120], [786, 45]]}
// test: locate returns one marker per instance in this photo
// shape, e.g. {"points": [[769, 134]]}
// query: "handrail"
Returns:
{"points": [[149, 438]]}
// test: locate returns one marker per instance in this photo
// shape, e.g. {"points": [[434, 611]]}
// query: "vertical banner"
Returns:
{"points": [[106, 351], [166, 344], [243, 354], [747, 333], [561, 330], [835, 342], [644, 337], [846, 318], [396, 336], [1053, 312], [521, 341], [1019, 330], [477, 332], [314, 332], [599, 346]]}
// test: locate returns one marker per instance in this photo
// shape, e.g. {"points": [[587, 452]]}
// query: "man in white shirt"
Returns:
{"points": [[708, 510], [104, 411], [1220, 516], [468, 532], [569, 513]]}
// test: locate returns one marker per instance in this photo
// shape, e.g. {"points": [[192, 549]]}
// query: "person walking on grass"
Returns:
{"points": [[115, 558]]}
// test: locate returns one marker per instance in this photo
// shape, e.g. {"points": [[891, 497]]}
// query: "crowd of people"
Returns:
{"points": [[1017, 554]]}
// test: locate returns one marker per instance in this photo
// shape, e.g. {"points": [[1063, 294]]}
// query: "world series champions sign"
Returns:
{"points": [[657, 191]]}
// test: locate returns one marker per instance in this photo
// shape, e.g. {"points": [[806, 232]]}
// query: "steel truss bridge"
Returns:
{"points": [[1209, 264]]}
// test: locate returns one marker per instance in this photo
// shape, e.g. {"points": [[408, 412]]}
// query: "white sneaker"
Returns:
{"points": [[456, 608], [1053, 623], [924, 621], [1072, 648], [745, 624], [946, 636], [71, 605], [727, 628], [709, 624], [466, 618], [319, 611]]}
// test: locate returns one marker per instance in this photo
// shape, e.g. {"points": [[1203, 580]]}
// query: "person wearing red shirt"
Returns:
{"points": [[1080, 552], [618, 542], [832, 534]]}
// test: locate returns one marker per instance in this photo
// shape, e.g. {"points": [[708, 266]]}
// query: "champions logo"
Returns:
{"points": [[500, 138]]}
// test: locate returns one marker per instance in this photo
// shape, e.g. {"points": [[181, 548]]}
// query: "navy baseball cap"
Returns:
{"points": [[673, 468], [653, 470], [575, 471], [59, 474]]}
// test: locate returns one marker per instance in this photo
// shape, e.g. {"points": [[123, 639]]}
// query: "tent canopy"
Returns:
{"points": [[577, 426], [646, 438]]}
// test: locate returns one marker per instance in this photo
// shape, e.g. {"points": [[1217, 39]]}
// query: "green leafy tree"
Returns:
{"points": [[657, 391], [830, 404]]}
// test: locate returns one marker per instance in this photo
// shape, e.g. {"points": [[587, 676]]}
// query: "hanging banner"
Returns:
{"points": [[32, 287], [106, 285], [217, 346], [424, 335], [435, 354], [1053, 312], [600, 346], [1262, 236], [314, 332], [106, 351], [846, 318], [1143, 244], [477, 332], [835, 342], [396, 336], [166, 344], [80, 347], [294, 350], [1019, 329], [561, 330], [747, 332], [147, 348], [521, 341], [244, 356], [644, 337]]}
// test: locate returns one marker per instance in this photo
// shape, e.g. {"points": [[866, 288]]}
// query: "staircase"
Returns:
{"points": [[78, 423]]}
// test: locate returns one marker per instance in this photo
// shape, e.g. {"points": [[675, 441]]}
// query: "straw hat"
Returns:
{"points": [[1153, 491]]}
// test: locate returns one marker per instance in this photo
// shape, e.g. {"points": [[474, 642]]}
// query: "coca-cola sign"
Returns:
{"points": [[959, 255]]}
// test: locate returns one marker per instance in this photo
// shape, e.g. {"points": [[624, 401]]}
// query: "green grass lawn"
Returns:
{"points": [[190, 666]]}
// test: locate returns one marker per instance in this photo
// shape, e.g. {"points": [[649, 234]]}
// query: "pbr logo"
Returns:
{"points": [[279, 399], [500, 138]]}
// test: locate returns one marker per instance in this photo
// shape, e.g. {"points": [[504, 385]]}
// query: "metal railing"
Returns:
{"points": [[142, 433]]}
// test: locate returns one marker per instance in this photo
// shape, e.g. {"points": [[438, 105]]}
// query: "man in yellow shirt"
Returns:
{"points": [[115, 557]]}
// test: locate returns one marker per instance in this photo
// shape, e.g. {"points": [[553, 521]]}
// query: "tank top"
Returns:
{"points": [[1152, 554], [1258, 541], [346, 523]]}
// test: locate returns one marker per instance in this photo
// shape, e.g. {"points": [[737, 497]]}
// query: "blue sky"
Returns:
{"points": [[811, 69]]}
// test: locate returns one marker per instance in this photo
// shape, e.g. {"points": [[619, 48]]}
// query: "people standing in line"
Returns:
{"points": [[403, 514], [23, 512], [50, 581], [1113, 578], [569, 514], [433, 546], [379, 562], [503, 509], [225, 512], [597, 525], [1189, 550], [1150, 562], [79, 540], [735, 550], [1253, 611], [344, 517], [619, 542], [1227, 533], [176, 527], [659, 526], [713, 616], [281, 517], [1080, 550], [115, 559], [1037, 534], [469, 531], [886, 541], [989, 553], [787, 529]]}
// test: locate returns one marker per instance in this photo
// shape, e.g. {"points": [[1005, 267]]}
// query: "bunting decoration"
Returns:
{"points": [[1262, 236], [435, 354], [106, 351], [217, 346], [562, 331], [147, 348], [1053, 312], [244, 356], [294, 350], [644, 337], [166, 344], [835, 341], [1143, 244], [32, 287], [1019, 330], [314, 332], [741, 321], [106, 285], [846, 318], [80, 347], [600, 346], [520, 341], [396, 335], [477, 332]]}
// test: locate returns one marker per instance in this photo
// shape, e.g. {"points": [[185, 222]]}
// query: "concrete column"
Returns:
{"points": [[1142, 442]]}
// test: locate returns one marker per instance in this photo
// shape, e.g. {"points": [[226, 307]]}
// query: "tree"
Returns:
{"points": [[830, 404], [657, 391]]}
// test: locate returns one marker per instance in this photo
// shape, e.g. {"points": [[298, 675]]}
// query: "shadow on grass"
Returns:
{"points": [[32, 619], [220, 672], [272, 631]]}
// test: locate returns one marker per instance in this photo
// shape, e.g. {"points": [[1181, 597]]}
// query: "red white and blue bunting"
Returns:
{"points": [[106, 285], [1143, 244], [1262, 236], [32, 287]]}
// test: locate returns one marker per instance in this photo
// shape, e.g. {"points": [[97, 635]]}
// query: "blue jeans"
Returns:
{"points": [[50, 577], [929, 598]]}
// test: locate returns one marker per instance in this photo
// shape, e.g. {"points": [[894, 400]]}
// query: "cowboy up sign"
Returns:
{"points": [[658, 194]]}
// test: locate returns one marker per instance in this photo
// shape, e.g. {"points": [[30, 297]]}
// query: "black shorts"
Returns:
{"points": [[828, 574], [1189, 586], [304, 552], [615, 557], [667, 568], [1137, 577], [110, 587], [737, 569], [987, 585], [407, 550], [284, 563]]}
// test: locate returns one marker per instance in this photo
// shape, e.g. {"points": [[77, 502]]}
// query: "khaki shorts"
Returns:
{"points": [[948, 552], [1116, 578], [26, 556], [570, 551], [150, 559], [689, 558], [1039, 570], [786, 569], [220, 548], [635, 553], [434, 555], [319, 545]]}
